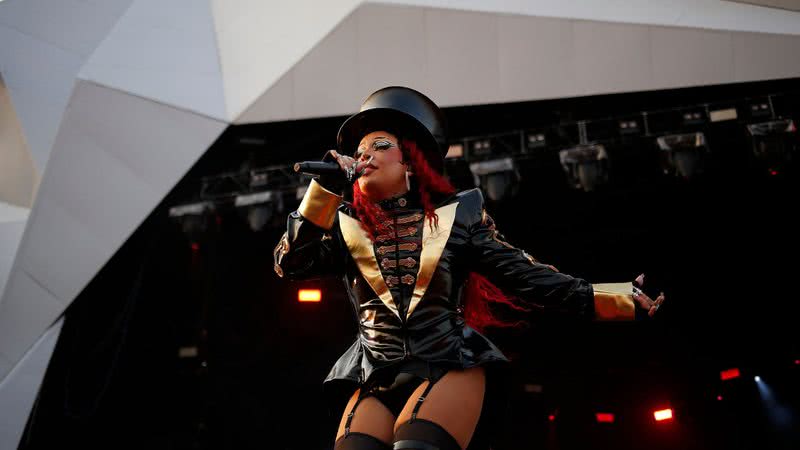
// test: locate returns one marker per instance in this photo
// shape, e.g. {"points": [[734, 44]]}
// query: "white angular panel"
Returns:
{"points": [[612, 58], [462, 57], [275, 105], [536, 58], [10, 237], [18, 174], [18, 391], [72, 25], [26, 311], [260, 40], [324, 81], [765, 56], [390, 45], [115, 158], [685, 57], [39, 77], [165, 51], [713, 14], [42, 46]]}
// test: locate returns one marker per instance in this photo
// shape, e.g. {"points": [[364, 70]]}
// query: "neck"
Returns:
{"points": [[389, 194]]}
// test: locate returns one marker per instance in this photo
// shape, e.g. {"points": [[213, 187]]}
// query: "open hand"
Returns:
{"points": [[643, 300]]}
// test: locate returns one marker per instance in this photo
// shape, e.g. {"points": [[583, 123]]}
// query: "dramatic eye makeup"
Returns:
{"points": [[380, 143]]}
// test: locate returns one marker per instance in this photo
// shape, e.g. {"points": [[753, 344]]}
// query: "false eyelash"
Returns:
{"points": [[383, 144]]}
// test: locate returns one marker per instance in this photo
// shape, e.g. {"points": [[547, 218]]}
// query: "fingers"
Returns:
{"points": [[344, 161], [639, 280]]}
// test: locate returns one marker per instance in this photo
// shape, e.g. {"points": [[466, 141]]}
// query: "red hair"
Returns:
{"points": [[479, 292]]}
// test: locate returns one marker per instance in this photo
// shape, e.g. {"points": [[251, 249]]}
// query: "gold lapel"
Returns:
{"points": [[363, 253], [433, 243]]}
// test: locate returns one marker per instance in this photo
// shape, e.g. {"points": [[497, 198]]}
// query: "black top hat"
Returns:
{"points": [[401, 111]]}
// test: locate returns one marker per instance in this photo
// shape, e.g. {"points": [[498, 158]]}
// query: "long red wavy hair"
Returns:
{"points": [[479, 292]]}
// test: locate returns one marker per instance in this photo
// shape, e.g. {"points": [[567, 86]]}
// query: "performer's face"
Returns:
{"points": [[386, 175]]}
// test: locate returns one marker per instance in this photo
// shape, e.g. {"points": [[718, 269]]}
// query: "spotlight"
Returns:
{"points": [[628, 127], [604, 417], [480, 148], [663, 414], [684, 155], [498, 177], [729, 374], [694, 117], [773, 143], [535, 141], [757, 378], [760, 109], [309, 295], [586, 166]]}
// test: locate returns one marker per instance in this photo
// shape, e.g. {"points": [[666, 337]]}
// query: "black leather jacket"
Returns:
{"points": [[406, 288]]}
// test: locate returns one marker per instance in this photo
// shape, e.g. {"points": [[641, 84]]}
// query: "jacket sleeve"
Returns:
{"points": [[311, 247], [517, 273]]}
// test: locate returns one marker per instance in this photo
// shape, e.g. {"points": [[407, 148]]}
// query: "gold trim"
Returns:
{"points": [[433, 243], [363, 253], [611, 302], [319, 205]]}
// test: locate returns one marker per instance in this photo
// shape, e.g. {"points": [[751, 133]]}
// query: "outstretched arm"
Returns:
{"points": [[517, 273]]}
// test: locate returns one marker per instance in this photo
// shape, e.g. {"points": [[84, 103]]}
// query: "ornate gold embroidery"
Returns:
{"points": [[407, 279], [364, 255], [433, 243], [408, 246], [403, 232], [392, 281], [409, 219], [408, 262], [387, 263]]}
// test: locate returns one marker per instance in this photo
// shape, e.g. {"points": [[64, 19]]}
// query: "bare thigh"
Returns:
{"points": [[371, 417], [454, 402]]}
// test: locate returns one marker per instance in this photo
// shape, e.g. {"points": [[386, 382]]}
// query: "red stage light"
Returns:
{"points": [[797, 362], [309, 295], [663, 414], [729, 374], [604, 417], [551, 417], [719, 398], [195, 246]]}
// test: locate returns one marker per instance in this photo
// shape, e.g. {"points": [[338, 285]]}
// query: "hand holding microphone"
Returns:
{"points": [[335, 171]]}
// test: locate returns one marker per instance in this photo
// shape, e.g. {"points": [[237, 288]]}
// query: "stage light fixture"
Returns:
{"points": [[774, 143], [604, 417], [729, 374], [628, 127], [684, 155], [195, 219], [259, 208], [499, 178], [586, 166], [535, 141], [309, 295], [663, 414]]}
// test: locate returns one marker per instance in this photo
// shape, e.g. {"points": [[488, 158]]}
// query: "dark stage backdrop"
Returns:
{"points": [[722, 246]]}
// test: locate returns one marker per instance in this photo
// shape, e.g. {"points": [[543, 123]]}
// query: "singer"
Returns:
{"points": [[421, 264]]}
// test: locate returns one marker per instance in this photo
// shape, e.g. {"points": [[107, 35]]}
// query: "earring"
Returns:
{"points": [[408, 180]]}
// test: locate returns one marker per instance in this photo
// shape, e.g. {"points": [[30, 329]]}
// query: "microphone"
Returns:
{"points": [[317, 167]]}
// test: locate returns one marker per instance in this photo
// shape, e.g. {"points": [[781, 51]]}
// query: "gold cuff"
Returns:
{"points": [[609, 305], [319, 205]]}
